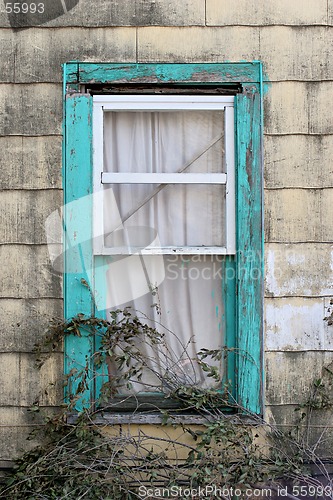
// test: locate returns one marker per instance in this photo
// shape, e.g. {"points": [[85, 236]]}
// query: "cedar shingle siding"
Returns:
{"points": [[293, 39]]}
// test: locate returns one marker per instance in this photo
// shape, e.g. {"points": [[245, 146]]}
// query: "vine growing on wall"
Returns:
{"points": [[203, 437]]}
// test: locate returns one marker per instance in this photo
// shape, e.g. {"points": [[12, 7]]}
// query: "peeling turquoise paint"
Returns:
{"points": [[242, 317], [249, 259], [199, 74], [78, 227], [229, 324]]}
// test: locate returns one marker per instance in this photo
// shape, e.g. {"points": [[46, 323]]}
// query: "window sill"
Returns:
{"points": [[142, 418]]}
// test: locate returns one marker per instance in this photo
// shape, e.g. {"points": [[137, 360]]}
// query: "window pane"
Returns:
{"points": [[186, 301], [187, 307], [164, 141], [181, 215], [168, 142]]}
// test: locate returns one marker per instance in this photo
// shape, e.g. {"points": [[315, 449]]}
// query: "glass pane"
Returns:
{"points": [[186, 307], [167, 142], [179, 215], [177, 141]]}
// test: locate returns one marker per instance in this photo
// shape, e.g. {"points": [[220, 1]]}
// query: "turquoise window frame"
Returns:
{"points": [[244, 294]]}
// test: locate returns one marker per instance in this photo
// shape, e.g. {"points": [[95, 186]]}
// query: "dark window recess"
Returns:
{"points": [[96, 89]]}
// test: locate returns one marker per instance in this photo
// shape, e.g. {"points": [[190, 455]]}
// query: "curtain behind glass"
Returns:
{"points": [[189, 300]]}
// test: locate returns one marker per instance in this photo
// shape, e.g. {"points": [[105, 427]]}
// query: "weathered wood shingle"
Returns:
{"points": [[30, 162], [23, 384], [23, 214], [299, 215], [104, 13], [197, 44], [294, 41], [29, 53], [30, 109], [298, 108], [27, 273], [297, 53], [25, 321], [298, 270], [298, 161], [291, 324], [291, 384], [257, 12]]}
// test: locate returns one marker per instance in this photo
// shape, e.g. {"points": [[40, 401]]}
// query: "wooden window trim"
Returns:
{"points": [[246, 299]]}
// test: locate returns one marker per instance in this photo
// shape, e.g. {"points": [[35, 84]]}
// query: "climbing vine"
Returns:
{"points": [[200, 437]]}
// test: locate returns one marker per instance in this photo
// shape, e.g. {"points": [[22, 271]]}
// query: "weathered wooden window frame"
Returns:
{"points": [[244, 294]]}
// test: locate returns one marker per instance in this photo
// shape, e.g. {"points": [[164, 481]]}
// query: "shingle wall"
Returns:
{"points": [[294, 41]]}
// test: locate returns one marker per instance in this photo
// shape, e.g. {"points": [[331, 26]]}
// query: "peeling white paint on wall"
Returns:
{"points": [[297, 324], [303, 269]]}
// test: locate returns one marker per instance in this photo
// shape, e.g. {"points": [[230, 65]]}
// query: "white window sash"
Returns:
{"points": [[167, 250], [164, 178], [231, 182], [102, 104], [162, 102]]}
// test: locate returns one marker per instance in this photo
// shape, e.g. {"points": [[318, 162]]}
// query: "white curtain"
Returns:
{"points": [[188, 301]]}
